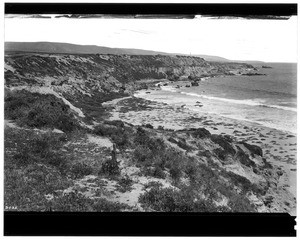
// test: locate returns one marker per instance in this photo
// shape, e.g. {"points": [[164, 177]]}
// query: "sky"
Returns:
{"points": [[235, 39]]}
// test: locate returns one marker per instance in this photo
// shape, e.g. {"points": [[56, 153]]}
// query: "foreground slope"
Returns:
{"points": [[63, 154]]}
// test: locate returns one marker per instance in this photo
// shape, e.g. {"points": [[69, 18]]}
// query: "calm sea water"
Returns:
{"points": [[269, 100], [277, 88]]}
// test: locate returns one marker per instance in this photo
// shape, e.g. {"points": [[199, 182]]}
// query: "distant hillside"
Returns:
{"points": [[213, 58], [54, 47]]}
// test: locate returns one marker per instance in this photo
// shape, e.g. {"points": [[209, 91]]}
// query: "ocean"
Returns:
{"points": [[269, 100]]}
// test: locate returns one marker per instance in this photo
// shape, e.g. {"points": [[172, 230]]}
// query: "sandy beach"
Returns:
{"points": [[279, 147]]}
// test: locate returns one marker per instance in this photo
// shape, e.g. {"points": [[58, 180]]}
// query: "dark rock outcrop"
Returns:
{"points": [[223, 142], [200, 133], [254, 74], [253, 149], [244, 158]]}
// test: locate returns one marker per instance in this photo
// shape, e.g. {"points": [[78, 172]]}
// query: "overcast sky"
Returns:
{"points": [[235, 39]]}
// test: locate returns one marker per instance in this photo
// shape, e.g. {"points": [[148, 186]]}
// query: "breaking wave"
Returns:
{"points": [[248, 102]]}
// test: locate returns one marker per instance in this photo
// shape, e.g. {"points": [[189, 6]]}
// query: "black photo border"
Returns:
{"points": [[151, 224]]}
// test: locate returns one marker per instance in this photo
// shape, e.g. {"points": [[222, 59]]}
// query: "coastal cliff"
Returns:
{"points": [[107, 73]]}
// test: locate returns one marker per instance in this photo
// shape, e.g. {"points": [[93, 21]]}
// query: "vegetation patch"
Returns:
{"points": [[80, 170], [244, 158], [103, 205], [91, 106], [223, 142], [110, 167], [204, 180], [171, 200], [155, 171], [77, 202], [152, 184], [220, 153], [33, 148], [200, 133], [180, 143], [39, 110], [116, 131], [26, 188], [124, 184], [244, 183], [153, 154], [253, 149]]}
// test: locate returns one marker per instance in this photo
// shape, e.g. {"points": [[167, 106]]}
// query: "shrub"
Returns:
{"points": [[206, 181], [121, 139], [77, 202], [116, 123], [191, 171], [160, 128], [190, 77], [110, 167], [105, 130], [57, 161], [40, 148], [155, 171], [80, 170], [154, 144], [205, 153], [39, 110], [170, 200], [158, 172], [223, 142], [26, 187], [253, 149], [266, 164], [172, 140], [18, 192], [170, 157], [152, 184], [221, 154], [72, 202], [238, 204], [23, 158], [125, 184], [201, 133], [182, 144], [46, 178], [103, 205], [244, 158], [142, 154], [115, 130], [175, 171], [148, 125], [152, 152], [243, 182]]}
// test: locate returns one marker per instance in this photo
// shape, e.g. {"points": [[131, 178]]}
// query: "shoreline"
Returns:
{"points": [[199, 106], [279, 147]]}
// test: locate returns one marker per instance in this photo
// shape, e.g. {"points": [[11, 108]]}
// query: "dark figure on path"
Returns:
{"points": [[114, 153]]}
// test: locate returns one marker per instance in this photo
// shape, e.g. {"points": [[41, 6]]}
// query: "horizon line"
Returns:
{"points": [[169, 53]]}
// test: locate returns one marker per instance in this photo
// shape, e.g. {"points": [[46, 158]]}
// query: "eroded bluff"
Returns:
{"points": [[88, 73]]}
